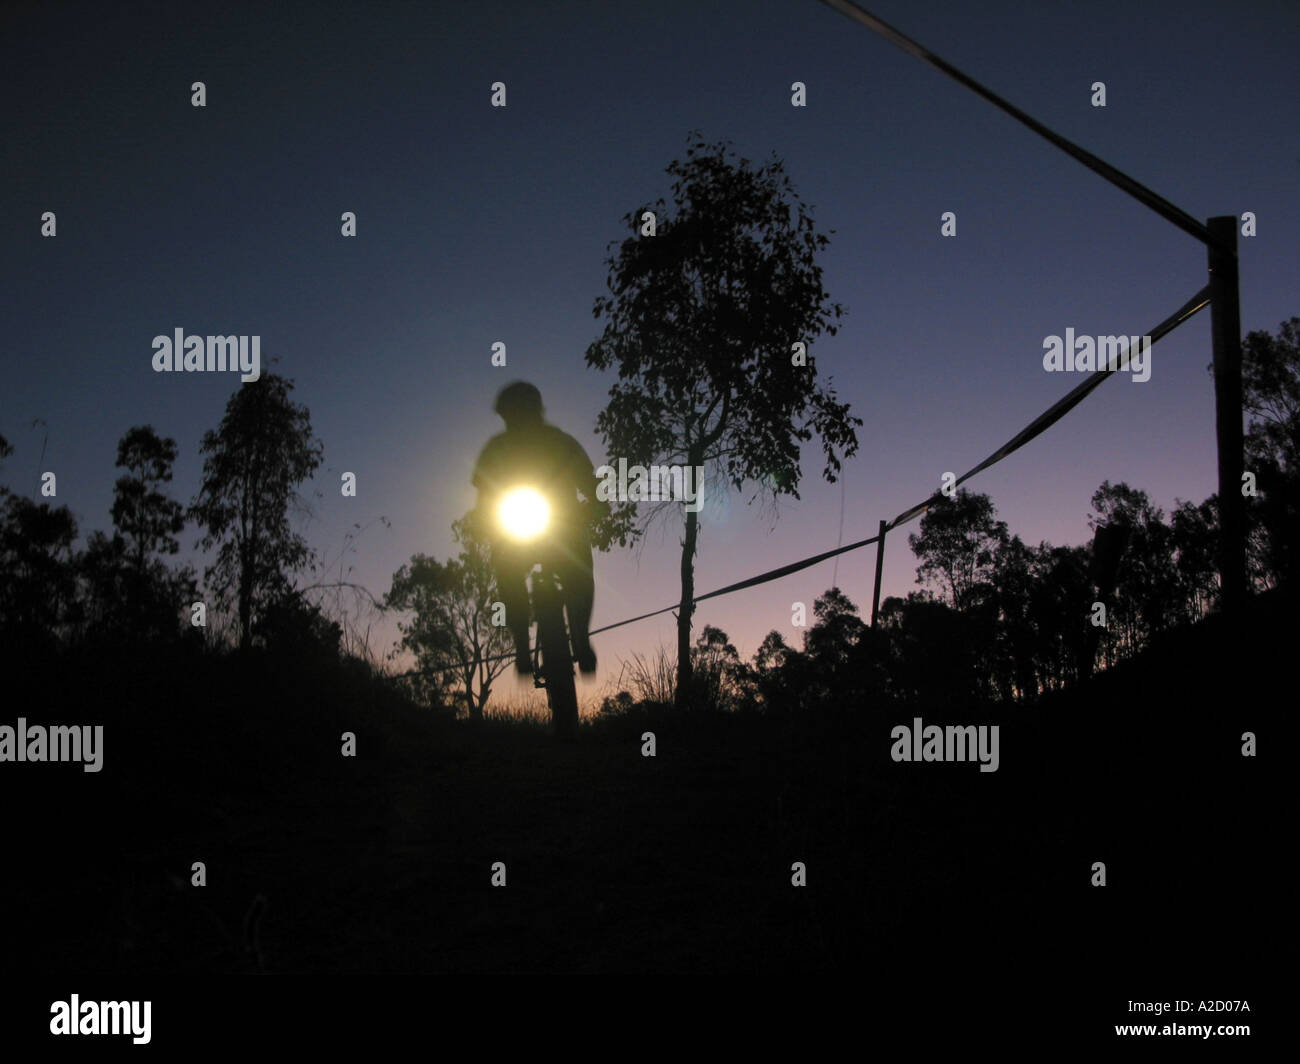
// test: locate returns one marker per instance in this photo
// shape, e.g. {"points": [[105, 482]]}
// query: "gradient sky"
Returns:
{"points": [[478, 224]]}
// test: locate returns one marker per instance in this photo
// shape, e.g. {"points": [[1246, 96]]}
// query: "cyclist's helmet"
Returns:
{"points": [[518, 399]]}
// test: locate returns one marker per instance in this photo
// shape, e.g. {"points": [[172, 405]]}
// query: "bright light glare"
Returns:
{"points": [[524, 514]]}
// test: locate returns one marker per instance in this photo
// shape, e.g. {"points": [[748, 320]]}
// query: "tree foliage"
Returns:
{"points": [[262, 451], [1271, 399], [38, 599], [450, 630], [700, 325], [957, 545], [129, 589]]}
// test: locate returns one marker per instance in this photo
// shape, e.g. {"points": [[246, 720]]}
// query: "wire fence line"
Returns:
{"points": [[1035, 428]]}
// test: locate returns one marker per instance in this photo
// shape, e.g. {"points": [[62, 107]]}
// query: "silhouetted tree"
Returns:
{"points": [[104, 572], [291, 626], [776, 675], [1011, 659], [39, 605], [1147, 593], [932, 657], [1194, 537], [127, 582], [451, 631], [37, 571], [716, 671], [701, 323], [1060, 598], [842, 662], [147, 518], [958, 545], [836, 631], [1271, 400], [617, 705], [254, 461]]}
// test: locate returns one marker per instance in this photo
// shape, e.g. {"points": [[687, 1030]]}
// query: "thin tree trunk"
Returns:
{"points": [[245, 600], [686, 607]]}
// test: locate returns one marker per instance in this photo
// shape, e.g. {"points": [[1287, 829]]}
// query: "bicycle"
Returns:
{"points": [[553, 661], [525, 515]]}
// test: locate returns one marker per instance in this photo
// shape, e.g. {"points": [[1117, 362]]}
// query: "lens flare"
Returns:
{"points": [[524, 514]]}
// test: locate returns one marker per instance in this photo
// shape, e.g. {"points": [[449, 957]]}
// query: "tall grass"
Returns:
{"points": [[650, 678]]}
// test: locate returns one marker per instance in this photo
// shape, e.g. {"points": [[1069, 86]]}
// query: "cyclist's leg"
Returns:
{"points": [[511, 570], [578, 582]]}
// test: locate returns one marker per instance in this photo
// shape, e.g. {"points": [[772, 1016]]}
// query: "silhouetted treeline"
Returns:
{"points": [[121, 590], [998, 620]]}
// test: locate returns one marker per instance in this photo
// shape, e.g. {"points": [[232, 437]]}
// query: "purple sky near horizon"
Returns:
{"points": [[478, 225]]}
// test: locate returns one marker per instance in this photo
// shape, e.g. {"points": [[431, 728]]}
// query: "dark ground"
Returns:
{"points": [[676, 864]]}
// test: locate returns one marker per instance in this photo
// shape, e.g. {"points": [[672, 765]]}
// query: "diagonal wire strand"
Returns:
{"points": [[1035, 428], [1136, 189]]}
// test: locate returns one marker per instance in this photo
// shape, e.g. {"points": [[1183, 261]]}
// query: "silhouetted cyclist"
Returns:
{"points": [[531, 452]]}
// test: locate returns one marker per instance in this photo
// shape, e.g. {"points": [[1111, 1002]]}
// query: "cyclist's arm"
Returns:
{"points": [[584, 475], [482, 481]]}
